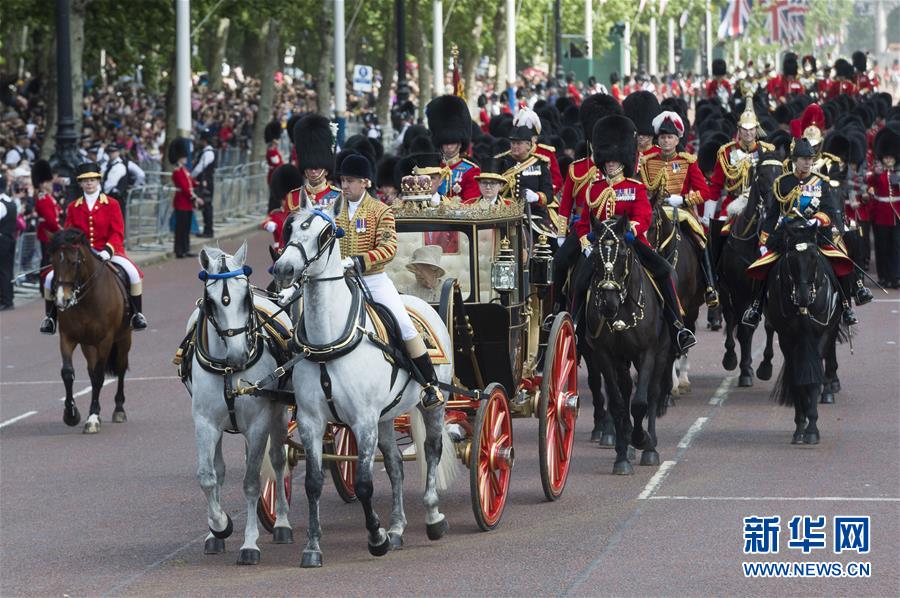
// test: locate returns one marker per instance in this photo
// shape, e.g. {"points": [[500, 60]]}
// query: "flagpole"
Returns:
{"points": [[438, 47], [671, 45], [709, 43]]}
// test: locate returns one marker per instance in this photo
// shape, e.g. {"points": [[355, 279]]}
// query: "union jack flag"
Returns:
{"points": [[785, 20], [735, 17]]}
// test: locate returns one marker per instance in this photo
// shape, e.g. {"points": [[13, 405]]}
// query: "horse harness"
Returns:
{"points": [[608, 254], [78, 290]]}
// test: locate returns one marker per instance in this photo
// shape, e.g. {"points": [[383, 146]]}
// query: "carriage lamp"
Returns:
{"points": [[503, 269], [541, 263]]}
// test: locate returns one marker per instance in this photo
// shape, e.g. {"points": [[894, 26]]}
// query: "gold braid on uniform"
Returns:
{"points": [[607, 197], [786, 201], [738, 174], [662, 179]]}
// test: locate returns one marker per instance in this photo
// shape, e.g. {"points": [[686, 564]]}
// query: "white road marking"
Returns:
{"points": [[886, 301], [656, 480], [692, 431], [87, 389], [722, 392], [780, 498], [17, 418], [58, 381]]}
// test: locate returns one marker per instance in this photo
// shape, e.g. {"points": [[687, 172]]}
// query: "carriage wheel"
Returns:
{"points": [[343, 473], [265, 506], [491, 457], [558, 407]]}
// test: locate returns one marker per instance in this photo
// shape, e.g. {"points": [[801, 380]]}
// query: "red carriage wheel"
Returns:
{"points": [[343, 473], [491, 457], [265, 506], [558, 407]]}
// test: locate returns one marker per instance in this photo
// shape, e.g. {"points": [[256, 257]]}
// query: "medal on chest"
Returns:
{"points": [[360, 225]]}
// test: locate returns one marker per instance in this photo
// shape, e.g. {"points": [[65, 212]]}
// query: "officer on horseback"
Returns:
{"points": [[369, 244], [803, 194], [100, 218]]}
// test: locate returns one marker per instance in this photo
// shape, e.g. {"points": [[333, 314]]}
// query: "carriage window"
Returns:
{"points": [[437, 256]]}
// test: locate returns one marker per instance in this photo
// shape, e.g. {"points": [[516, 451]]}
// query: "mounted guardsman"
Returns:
{"points": [[641, 107], [529, 118], [573, 204], [719, 88], [284, 187], [674, 178], [843, 79], [528, 176], [100, 218], [368, 245], [615, 193], [451, 130], [815, 87], [803, 194], [314, 141], [783, 87], [865, 84]]}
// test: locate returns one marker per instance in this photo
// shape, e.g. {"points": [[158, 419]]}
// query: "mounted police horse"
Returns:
{"points": [[740, 250], [227, 341], [625, 326], [346, 376], [803, 305]]}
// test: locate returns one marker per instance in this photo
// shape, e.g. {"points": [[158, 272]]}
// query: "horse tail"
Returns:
{"points": [[448, 466], [780, 392], [111, 367], [806, 359]]}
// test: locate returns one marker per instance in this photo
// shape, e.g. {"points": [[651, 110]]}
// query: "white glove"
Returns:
{"points": [[560, 241], [531, 196], [763, 250], [675, 200], [348, 263], [285, 296], [436, 199], [270, 226], [812, 222], [587, 251], [103, 255], [705, 221], [709, 210]]}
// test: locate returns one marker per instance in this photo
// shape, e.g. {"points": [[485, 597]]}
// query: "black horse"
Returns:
{"points": [[803, 306], [736, 289], [624, 326]]}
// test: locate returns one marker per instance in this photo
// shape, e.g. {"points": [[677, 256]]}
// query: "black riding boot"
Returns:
{"points": [[684, 338], [138, 322], [711, 295], [431, 394], [753, 314], [847, 283], [48, 324]]}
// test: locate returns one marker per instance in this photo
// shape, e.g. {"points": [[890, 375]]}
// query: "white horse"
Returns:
{"points": [[365, 397], [230, 345]]}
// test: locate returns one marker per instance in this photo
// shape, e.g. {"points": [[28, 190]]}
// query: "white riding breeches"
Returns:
{"points": [[134, 275], [383, 291]]}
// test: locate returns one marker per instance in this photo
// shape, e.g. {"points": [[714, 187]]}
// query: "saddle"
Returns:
{"points": [[687, 216], [124, 284]]}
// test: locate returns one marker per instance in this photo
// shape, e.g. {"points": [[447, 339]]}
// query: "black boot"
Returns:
{"points": [[846, 285], [431, 394], [48, 324], [138, 321], [711, 295], [684, 338], [753, 315]]}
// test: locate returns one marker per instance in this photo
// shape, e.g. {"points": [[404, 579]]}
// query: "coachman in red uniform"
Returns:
{"points": [[100, 218], [615, 193]]}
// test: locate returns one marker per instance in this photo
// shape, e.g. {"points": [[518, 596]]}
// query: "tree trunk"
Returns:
{"points": [[420, 48], [218, 54], [326, 58], [76, 27], [271, 60], [500, 45], [386, 66], [470, 58], [49, 145]]}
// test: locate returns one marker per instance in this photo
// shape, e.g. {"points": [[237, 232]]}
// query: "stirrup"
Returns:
{"points": [[685, 339], [849, 316], [751, 317], [431, 397], [138, 321], [712, 298], [862, 295], [48, 325]]}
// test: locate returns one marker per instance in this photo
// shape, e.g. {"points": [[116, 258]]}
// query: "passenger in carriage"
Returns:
{"points": [[314, 141], [491, 183], [426, 265]]}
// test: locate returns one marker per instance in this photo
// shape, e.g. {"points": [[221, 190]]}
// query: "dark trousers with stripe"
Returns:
{"points": [[887, 252]]}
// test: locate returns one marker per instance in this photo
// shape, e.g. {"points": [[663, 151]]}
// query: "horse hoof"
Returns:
{"points": [[827, 398], [745, 380], [248, 556], [631, 453], [674, 392], [381, 549], [597, 433], [670, 400], [764, 371], [229, 527], [729, 361], [283, 535], [436, 531], [118, 417], [798, 438], [91, 426], [608, 440], [835, 386], [71, 418], [311, 558], [623, 468], [214, 546], [811, 438], [396, 541], [649, 457]]}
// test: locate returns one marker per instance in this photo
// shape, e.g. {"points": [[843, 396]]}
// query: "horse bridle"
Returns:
{"points": [[78, 290], [608, 254], [326, 241], [250, 327]]}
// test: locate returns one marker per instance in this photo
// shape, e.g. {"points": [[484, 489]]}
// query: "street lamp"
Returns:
{"points": [[65, 158], [402, 87]]}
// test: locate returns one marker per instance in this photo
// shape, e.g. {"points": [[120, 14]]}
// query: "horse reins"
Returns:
{"points": [[78, 290]]}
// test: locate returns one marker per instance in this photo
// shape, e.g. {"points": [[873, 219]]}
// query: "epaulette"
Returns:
{"points": [[689, 158], [723, 149], [633, 180], [502, 154], [766, 146], [469, 162], [540, 157], [832, 157], [547, 147]]}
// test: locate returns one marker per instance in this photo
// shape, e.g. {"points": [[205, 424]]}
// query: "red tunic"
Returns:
{"points": [[712, 88], [882, 211], [839, 86], [277, 217], [572, 204], [48, 212], [556, 177], [717, 180], [183, 186], [782, 87], [103, 225], [274, 160], [630, 200], [461, 182]]}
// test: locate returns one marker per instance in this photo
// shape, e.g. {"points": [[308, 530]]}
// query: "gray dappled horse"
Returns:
{"points": [[367, 394], [230, 345]]}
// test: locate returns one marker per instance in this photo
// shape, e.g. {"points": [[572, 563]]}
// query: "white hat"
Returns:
{"points": [[429, 255]]}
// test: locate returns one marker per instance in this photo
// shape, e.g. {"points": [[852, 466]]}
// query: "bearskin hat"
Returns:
{"points": [[285, 179], [707, 154], [178, 149], [406, 164], [887, 141], [551, 116], [615, 139], [641, 107], [364, 146], [41, 173], [570, 137], [272, 131], [449, 120], [719, 68], [838, 144], [412, 133], [843, 69], [314, 142], [570, 116], [562, 103], [858, 146], [384, 173], [500, 125], [789, 64], [593, 108], [860, 61]]}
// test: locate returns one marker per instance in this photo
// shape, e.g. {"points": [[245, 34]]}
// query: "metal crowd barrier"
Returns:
{"points": [[27, 260]]}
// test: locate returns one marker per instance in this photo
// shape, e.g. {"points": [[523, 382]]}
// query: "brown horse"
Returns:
{"points": [[93, 313]]}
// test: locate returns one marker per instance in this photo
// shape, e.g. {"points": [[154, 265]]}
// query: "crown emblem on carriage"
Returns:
{"points": [[415, 187]]}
